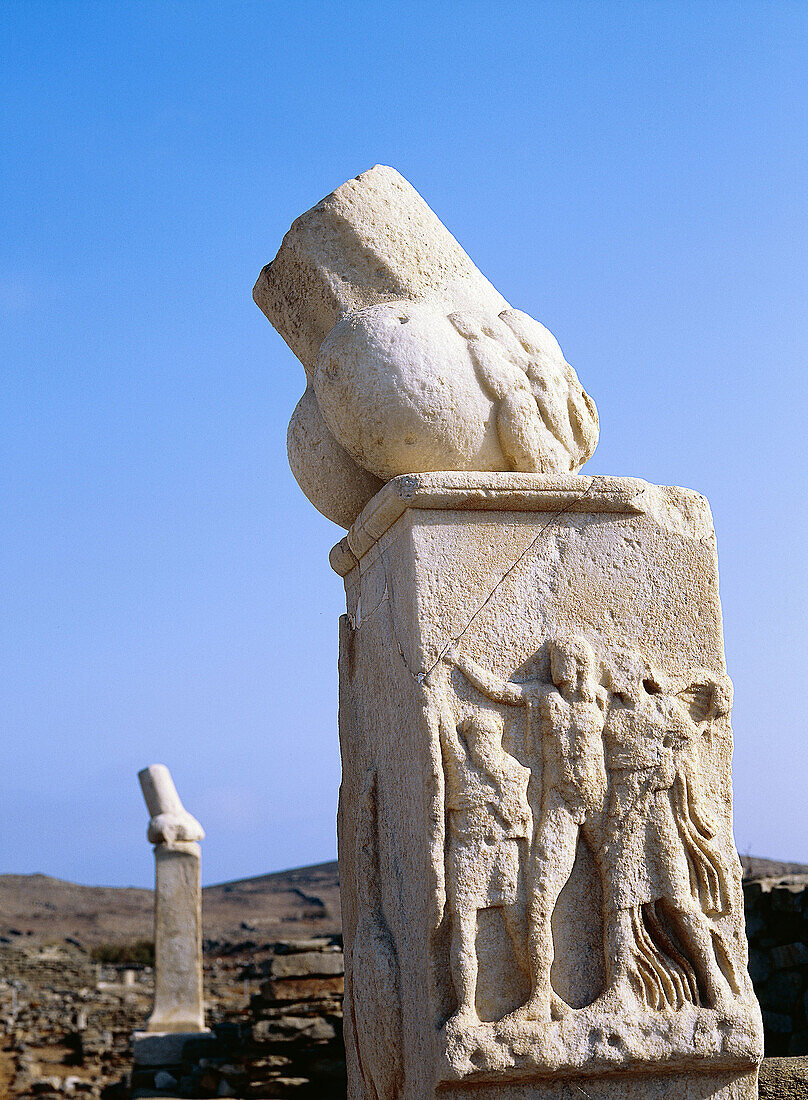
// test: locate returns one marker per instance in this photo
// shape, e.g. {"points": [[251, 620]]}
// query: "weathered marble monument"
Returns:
{"points": [[541, 896], [178, 1011]]}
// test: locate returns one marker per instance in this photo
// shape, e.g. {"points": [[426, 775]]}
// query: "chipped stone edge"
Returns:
{"points": [[510, 492]]}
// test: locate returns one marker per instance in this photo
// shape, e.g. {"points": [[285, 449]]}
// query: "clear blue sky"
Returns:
{"points": [[633, 174]]}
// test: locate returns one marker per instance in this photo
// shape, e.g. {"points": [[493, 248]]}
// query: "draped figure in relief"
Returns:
{"points": [[616, 748], [666, 879], [489, 823]]}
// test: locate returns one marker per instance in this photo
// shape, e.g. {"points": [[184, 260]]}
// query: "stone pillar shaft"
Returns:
{"points": [[178, 1004]]}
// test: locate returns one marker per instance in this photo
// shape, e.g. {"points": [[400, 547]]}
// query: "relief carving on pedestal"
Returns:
{"points": [[489, 829], [611, 758]]}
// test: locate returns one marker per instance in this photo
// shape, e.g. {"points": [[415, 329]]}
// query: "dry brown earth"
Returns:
{"points": [[284, 905]]}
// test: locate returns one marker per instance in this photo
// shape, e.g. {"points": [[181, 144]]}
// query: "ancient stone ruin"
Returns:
{"points": [[178, 1011], [541, 897]]}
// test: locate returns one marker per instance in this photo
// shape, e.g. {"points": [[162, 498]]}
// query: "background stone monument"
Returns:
{"points": [[541, 896], [178, 1013]]}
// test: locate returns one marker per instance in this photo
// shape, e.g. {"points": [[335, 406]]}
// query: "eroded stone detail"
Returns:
{"points": [[563, 743], [414, 361], [667, 876], [375, 1016], [489, 829], [611, 756], [534, 707]]}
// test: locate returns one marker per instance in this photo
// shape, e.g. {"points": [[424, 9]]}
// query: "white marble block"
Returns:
{"points": [[541, 896], [413, 360], [178, 1004]]}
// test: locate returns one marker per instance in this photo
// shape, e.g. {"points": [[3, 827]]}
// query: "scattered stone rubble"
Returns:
{"points": [[777, 929], [67, 1022], [276, 1013], [275, 1010], [288, 1042]]}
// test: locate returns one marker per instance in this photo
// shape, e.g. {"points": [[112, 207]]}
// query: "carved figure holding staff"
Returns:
{"points": [[564, 738]]}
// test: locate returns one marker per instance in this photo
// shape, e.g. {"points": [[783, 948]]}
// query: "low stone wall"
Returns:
{"points": [[288, 1043], [777, 929], [295, 1045]]}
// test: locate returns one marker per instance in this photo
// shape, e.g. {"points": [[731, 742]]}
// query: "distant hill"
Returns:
{"points": [[300, 902], [284, 905], [287, 904], [755, 868]]}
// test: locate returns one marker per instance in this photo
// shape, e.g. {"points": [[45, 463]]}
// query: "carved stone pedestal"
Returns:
{"points": [[541, 898]]}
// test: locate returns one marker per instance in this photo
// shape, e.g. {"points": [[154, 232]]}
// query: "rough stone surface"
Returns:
{"points": [[784, 1079], [164, 1080], [541, 897], [719, 1086], [303, 988], [307, 964], [165, 1048], [414, 361], [295, 1045]]}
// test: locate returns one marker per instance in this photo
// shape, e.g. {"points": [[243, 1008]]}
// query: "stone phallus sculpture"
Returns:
{"points": [[540, 894], [415, 363]]}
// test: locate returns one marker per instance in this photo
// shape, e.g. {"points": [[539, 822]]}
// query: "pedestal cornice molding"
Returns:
{"points": [[510, 492]]}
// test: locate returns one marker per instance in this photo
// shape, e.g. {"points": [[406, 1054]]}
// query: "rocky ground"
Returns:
{"points": [[66, 1023], [66, 1020], [273, 984]]}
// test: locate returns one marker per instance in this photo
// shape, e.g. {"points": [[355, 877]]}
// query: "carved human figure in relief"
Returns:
{"points": [[618, 749], [489, 824], [564, 736], [663, 870]]}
